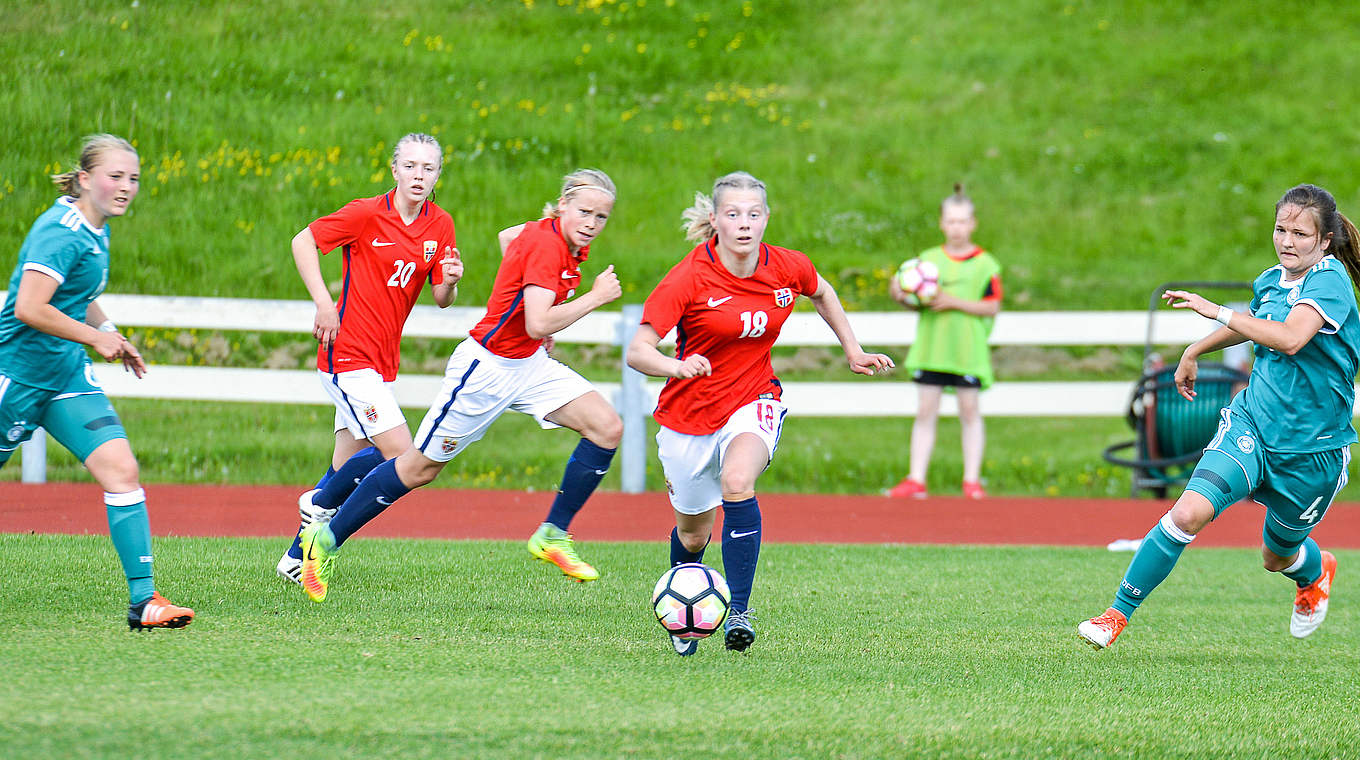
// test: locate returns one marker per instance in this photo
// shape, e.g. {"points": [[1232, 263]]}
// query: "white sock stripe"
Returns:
{"points": [[1172, 532], [1298, 561], [125, 499]]}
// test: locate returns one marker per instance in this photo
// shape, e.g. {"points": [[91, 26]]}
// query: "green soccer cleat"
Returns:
{"points": [[318, 560], [552, 544]]}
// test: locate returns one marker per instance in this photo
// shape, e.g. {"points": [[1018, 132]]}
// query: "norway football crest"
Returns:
{"points": [[371, 414], [783, 297], [448, 445], [430, 247]]}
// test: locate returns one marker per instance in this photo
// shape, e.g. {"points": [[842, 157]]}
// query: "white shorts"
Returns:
{"points": [[364, 402], [692, 464], [479, 385]]}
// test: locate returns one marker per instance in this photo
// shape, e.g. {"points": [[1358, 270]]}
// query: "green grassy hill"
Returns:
{"points": [[1109, 148]]}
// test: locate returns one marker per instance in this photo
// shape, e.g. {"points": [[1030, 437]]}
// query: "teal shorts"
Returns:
{"points": [[1296, 488], [78, 416]]}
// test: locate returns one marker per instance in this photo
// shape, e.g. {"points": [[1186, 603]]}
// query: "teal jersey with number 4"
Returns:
{"points": [[63, 246], [1304, 402]]}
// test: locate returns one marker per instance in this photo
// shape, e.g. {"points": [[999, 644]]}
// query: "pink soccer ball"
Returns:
{"points": [[920, 280]]}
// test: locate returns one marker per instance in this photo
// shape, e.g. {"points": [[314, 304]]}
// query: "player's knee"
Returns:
{"points": [[607, 432], [1274, 562], [414, 469], [1192, 512], [692, 541], [738, 487]]}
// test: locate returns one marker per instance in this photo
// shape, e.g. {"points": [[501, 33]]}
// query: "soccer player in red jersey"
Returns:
{"points": [[720, 411], [393, 243], [502, 365]]}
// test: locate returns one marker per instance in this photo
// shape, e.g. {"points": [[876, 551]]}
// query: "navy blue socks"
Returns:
{"points": [[376, 492], [740, 548], [585, 469]]}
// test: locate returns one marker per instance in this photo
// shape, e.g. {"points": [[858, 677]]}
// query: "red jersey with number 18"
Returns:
{"points": [[733, 322], [386, 262], [539, 256]]}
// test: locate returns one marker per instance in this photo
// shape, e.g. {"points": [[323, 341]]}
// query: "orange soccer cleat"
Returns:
{"points": [[157, 612]]}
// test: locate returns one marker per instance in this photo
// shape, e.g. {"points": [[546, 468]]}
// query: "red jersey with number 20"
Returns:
{"points": [[539, 256], [386, 262], [733, 322]]}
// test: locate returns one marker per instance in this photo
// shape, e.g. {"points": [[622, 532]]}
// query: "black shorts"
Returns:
{"points": [[931, 377]]}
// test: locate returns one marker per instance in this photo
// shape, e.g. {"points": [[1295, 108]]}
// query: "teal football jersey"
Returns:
{"points": [[1304, 402], [64, 246]]}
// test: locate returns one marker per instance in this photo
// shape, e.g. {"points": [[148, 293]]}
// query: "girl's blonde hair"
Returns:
{"points": [[419, 138], [959, 198], [581, 179], [91, 154], [695, 219]]}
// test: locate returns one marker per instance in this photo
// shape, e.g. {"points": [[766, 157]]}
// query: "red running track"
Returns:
{"points": [[187, 510]]}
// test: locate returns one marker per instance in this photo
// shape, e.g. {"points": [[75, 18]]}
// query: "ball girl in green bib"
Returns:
{"points": [[950, 349], [50, 315], [1284, 441]]}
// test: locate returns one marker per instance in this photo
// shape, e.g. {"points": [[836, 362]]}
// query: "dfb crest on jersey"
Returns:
{"points": [[16, 432], [1293, 296], [783, 297], [430, 247]]}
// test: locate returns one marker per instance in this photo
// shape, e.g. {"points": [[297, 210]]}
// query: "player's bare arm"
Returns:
{"points": [[507, 236], [644, 356], [984, 308], [451, 269], [828, 305], [542, 318], [326, 324], [1286, 337]]}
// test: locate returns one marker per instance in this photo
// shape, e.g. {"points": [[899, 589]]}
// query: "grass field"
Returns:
{"points": [[469, 649]]}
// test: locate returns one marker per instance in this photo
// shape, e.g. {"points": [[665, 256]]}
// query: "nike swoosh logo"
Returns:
{"points": [[383, 501], [735, 534], [380, 244], [601, 472], [567, 275], [714, 303]]}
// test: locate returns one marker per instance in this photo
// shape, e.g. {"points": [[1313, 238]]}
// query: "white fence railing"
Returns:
{"points": [[634, 395]]}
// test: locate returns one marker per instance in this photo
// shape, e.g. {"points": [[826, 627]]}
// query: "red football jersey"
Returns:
{"points": [[539, 256], [386, 262], [733, 321]]}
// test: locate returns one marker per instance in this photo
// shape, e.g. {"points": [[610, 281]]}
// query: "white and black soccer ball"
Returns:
{"points": [[691, 600]]}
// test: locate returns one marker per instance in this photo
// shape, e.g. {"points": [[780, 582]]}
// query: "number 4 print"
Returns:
{"points": [[1311, 513]]}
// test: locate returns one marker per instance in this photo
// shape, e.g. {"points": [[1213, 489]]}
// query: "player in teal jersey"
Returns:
{"points": [[1285, 440], [46, 379]]}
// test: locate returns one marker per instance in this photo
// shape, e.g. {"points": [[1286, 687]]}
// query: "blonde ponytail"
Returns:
{"points": [[91, 154]]}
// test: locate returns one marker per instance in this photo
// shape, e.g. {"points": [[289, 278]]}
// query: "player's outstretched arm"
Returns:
{"points": [[644, 356], [828, 305]]}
